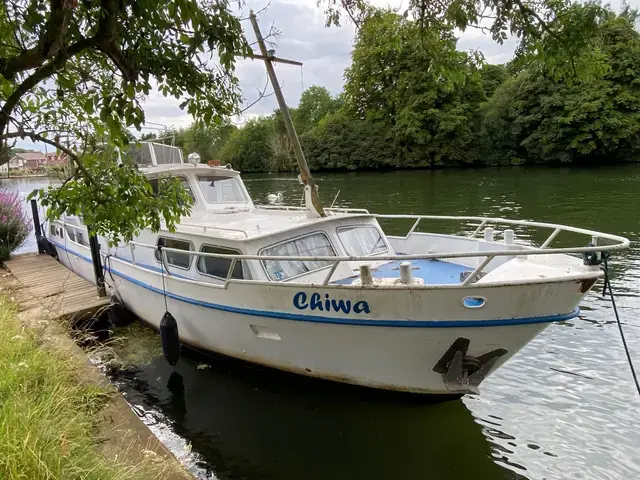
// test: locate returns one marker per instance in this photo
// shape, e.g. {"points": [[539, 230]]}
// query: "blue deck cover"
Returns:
{"points": [[434, 272]]}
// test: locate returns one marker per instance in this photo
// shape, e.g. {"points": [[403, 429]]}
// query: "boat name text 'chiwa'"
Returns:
{"points": [[302, 302]]}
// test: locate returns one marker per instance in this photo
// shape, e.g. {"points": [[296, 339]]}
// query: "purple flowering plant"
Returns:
{"points": [[14, 223]]}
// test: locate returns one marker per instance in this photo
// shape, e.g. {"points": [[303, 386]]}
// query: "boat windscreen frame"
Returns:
{"points": [[290, 239], [363, 225], [239, 184]]}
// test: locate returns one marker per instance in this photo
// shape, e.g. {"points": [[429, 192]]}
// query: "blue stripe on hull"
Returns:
{"points": [[338, 321]]}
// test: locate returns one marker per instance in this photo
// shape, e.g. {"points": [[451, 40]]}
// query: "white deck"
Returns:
{"points": [[251, 224]]}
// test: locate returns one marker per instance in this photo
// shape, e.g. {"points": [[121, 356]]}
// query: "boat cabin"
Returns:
{"points": [[225, 221]]}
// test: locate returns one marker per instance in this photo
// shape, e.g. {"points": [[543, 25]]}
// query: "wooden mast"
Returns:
{"points": [[305, 173]]}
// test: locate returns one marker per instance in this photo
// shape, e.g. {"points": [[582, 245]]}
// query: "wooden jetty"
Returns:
{"points": [[65, 293]]}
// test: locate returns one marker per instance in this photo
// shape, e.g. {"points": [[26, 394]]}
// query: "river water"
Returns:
{"points": [[564, 408]]}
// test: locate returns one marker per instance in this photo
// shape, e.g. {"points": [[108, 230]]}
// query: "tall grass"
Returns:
{"points": [[47, 416]]}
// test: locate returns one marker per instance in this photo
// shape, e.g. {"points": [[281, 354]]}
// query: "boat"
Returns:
{"points": [[334, 296], [325, 292]]}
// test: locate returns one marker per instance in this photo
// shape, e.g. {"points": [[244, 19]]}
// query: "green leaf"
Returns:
{"points": [[88, 105]]}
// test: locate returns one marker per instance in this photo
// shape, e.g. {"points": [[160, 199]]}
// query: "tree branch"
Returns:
{"points": [[107, 39], [261, 94], [104, 40], [347, 8], [49, 43], [40, 75], [39, 138], [525, 9]]}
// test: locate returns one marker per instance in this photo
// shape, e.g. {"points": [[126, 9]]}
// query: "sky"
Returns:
{"points": [[324, 51]]}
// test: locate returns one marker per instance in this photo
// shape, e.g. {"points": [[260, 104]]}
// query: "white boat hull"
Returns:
{"points": [[395, 345]]}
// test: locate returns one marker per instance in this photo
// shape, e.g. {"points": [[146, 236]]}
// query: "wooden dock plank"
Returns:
{"points": [[65, 292]]}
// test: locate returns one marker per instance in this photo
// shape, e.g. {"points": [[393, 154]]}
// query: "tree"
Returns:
{"points": [[556, 33], [248, 148], [416, 83], [342, 142], [538, 119], [82, 68], [492, 77], [148, 136], [315, 103], [207, 140], [497, 142]]}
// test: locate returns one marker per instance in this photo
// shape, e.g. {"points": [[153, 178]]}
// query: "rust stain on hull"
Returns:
{"points": [[585, 285]]}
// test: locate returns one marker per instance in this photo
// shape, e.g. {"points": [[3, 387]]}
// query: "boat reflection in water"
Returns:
{"points": [[245, 422]]}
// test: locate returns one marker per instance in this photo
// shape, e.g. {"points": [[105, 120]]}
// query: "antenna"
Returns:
{"points": [[269, 57], [334, 200]]}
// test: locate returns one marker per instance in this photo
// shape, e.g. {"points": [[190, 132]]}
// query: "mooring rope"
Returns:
{"points": [[607, 285], [107, 267], [164, 291]]}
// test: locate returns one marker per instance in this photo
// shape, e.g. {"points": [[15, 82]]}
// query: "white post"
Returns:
{"points": [[133, 255], [508, 237], [406, 275], [365, 275], [488, 234]]}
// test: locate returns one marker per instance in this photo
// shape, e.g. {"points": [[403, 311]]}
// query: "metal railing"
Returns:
{"points": [[510, 250], [484, 221], [292, 208]]}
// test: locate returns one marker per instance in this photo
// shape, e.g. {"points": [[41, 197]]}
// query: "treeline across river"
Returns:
{"points": [[412, 100]]}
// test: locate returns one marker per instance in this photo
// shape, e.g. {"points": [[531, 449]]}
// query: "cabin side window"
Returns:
{"points": [[315, 244], [220, 189], [362, 240], [81, 238], [71, 233], [176, 259], [219, 267], [77, 235]]}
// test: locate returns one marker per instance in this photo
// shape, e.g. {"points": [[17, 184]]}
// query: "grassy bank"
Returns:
{"points": [[47, 416]]}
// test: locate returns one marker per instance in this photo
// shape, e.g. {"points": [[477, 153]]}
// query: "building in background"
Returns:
{"points": [[30, 162], [55, 160]]}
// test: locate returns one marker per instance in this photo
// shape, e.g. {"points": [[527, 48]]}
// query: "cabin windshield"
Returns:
{"points": [[220, 189], [185, 183], [362, 240]]}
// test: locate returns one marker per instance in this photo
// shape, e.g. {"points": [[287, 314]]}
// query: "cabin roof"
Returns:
{"points": [[251, 224], [177, 168]]}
